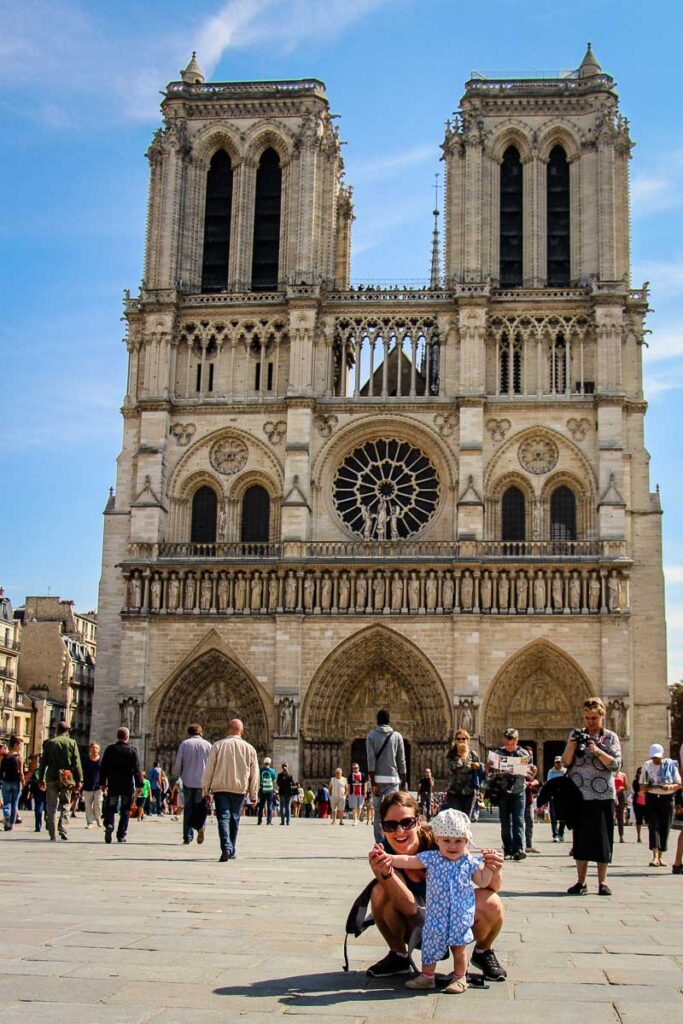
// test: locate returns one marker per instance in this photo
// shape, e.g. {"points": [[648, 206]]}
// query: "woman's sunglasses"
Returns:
{"points": [[405, 824]]}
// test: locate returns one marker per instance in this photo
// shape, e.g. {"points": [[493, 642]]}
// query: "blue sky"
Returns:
{"points": [[78, 104]]}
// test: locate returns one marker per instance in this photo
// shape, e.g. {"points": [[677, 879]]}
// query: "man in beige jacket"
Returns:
{"points": [[231, 770]]}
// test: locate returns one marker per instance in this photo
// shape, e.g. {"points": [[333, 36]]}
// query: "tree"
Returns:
{"points": [[676, 716]]}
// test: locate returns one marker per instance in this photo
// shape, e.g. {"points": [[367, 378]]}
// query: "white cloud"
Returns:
{"points": [[665, 276], [664, 344], [658, 189], [381, 166]]}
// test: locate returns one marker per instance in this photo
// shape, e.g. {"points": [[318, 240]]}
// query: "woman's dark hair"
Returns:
{"points": [[403, 799]]}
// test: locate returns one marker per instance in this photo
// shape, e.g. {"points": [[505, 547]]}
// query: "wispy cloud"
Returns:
{"points": [[666, 276], [658, 188], [381, 166], [673, 574], [666, 343]]}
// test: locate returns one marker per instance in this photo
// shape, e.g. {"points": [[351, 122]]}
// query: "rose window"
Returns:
{"points": [[386, 490], [229, 456]]}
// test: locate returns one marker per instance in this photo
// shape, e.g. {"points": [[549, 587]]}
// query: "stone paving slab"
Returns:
{"points": [[157, 933]]}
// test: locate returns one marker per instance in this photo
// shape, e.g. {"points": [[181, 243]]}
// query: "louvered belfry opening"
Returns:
{"points": [[204, 512], [217, 216], [513, 520], [255, 515], [266, 254], [558, 218], [511, 219]]}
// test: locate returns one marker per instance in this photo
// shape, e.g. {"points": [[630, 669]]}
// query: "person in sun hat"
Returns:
{"points": [[659, 780], [452, 874]]}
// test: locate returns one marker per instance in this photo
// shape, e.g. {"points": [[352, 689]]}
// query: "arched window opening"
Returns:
{"points": [[204, 512], [513, 519], [558, 366], [255, 515], [217, 215], [558, 217], [510, 366], [511, 219], [563, 514], [266, 254]]}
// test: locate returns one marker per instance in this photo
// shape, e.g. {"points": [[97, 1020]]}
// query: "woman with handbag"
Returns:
{"points": [[660, 780], [463, 766]]}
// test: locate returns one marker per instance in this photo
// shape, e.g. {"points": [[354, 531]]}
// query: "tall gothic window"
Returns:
{"points": [[510, 365], [511, 219], [558, 365], [256, 515], [513, 519], [266, 255], [558, 217], [217, 215], [563, 514], [204, 511]]}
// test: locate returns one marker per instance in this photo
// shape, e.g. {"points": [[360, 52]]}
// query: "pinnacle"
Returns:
{"points": [[192, 74], [589, 65]]}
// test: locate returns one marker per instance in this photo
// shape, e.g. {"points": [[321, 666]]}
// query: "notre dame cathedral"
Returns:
{"points": [[332, 499]]}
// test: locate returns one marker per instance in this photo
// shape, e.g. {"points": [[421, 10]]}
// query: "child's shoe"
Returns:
{"points": [[422, 982], [457, 987]]}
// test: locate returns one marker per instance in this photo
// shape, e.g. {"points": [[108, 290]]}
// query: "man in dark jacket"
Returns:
{"points": [[61, 774], [119, 776]]}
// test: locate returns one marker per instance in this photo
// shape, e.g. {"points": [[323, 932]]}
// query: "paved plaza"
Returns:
{"points": [[154, 931]]}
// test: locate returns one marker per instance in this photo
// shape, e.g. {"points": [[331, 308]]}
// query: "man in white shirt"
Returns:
{"points": [[190, 762], [339, 790]]}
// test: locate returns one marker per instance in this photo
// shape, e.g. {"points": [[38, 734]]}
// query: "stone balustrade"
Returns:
{"points": [[377, 591]]}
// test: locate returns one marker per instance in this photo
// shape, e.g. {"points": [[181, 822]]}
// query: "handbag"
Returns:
{"points": [[66, 778], [640, 799]]}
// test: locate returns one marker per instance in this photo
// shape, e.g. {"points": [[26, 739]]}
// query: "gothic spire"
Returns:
{"points": [[435, 277], [589, 65], [192, 74]]}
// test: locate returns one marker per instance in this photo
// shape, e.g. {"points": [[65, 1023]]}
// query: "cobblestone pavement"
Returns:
{"points": [[154, 931]]}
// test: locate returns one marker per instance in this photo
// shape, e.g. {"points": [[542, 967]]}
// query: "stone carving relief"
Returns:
{"points": [[229, 455], [287, 716], [183, 433], [617, 716], [326, 424], [466, 715], [578, 428], [538, 455], [498, 429], [275, 430], [131, 715], [445, 423]]}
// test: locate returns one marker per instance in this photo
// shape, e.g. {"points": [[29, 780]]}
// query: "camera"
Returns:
{"points": [[581, 737]]}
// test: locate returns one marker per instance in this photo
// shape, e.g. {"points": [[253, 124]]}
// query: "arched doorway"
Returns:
{"points": [[539, 691], [376, 668], [211, 691]]}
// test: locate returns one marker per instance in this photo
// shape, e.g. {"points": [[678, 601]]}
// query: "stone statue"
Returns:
{"points": [[575, 592], [326, 592], [309, 592], [256, 592], [393, 523], [222, 592], [222, 523], [594, 593], [240, 593], [613, 595], [173, 593], [486, 592], [290, 591], [361, 592], [344, 591], [155, 593], [273, 591], [286, 716], [396, 592], [447, 592], [413, 592], [381, 527], [367, 522], [503, 592], [379, 590], [431, 591], [190, 592], [205, 593], [616, 717], [128, 714], [537, 521], [467, 591], [466, 717], [539, 592], [522, 588], [557, 592], [135, 592]]}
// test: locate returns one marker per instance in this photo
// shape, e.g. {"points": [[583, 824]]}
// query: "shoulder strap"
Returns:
{"points": [[379, 753]]}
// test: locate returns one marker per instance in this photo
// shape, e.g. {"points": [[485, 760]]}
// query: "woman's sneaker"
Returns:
{"points": [[392, 963], [487, 962]]}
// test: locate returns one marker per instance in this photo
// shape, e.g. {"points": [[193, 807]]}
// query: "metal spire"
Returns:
{"points": [[435, 277]]}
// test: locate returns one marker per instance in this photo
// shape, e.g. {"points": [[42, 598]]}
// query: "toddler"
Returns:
{"points": [[452, 873]]}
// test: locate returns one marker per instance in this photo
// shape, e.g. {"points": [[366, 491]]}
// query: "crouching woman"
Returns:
{"points": [[398, 899]]}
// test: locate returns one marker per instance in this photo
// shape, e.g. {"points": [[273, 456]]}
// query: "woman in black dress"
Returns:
{"points": [[463, 763]]}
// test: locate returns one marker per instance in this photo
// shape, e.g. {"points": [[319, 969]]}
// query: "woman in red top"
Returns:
{"points": [[621, 785]]}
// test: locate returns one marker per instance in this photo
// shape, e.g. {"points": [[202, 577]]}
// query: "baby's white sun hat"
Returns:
{"points": [[452, 824]]}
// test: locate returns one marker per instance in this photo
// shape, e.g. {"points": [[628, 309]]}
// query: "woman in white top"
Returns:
{"points": [[659, 780]]}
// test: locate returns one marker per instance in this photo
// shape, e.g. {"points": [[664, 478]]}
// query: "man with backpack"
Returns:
{"points": [[386, 764], [61, 773], [266, 793]]}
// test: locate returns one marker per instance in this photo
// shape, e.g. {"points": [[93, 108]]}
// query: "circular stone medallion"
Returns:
{"points": [[228, 456], [538, 455]]}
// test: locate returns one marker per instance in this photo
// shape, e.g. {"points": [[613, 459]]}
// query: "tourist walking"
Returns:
{"points": [[11, 781], [231, 771], [339, 790], [154, 776], [309, 802], [322, 799], [386, 763], [425, 792], [142, 799], [120, 775], [511, 798], [266, 791], [356, 788], [530, 793], [620, 787], [190, 763], [286, 788], [464, 765], [36, 789], [92, 790], [638, 804], [592, 757], [556, 824], [659, 780], [61, 772]]}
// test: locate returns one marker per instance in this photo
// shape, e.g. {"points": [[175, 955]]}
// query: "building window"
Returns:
{"points": [[511, 219], [255, 515], [204, 511], [217, 215], [558, 366], [510, 366], [513, 519], [563, 514], [558, 217], [266, 254]]}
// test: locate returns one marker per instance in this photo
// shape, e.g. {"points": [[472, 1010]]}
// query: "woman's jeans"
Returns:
{"points": [[10, 802], [285, 809]]}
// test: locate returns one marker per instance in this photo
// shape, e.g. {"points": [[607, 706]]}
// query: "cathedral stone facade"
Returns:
{"points": [[333, 499]]}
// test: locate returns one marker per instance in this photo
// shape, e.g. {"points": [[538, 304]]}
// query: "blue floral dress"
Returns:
{"points": [[449, 913]]}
